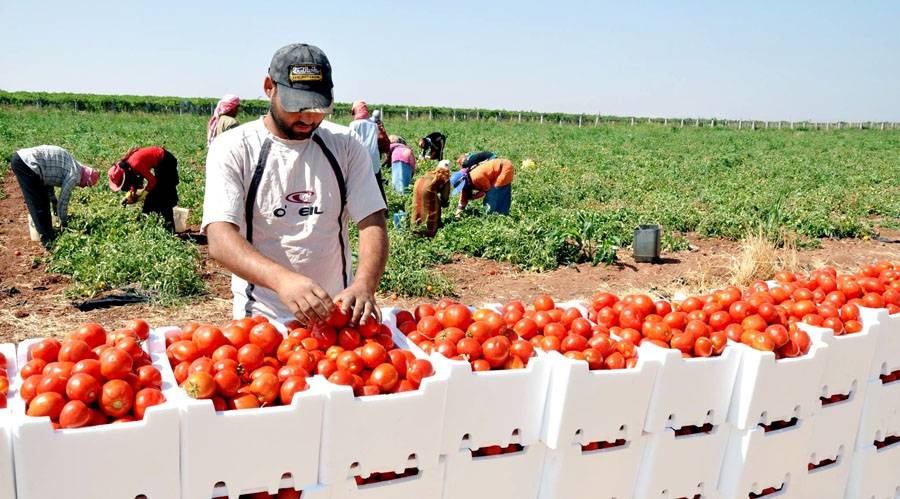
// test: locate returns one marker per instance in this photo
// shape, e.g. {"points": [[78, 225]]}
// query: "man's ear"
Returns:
{"points": [[269, 86]]}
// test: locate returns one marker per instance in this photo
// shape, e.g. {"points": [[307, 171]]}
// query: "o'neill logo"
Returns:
{"points": [[301, 197]]}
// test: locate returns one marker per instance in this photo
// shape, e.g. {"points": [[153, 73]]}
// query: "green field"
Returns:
{"points": [[589, 189]]}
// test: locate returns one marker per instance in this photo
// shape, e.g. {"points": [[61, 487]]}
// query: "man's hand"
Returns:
{"points": [[305, 298], [128, 199], [361, 302]]}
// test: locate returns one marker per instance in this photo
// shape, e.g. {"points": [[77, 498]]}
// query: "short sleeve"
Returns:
{"points": [[363, 195], [223, 198]]}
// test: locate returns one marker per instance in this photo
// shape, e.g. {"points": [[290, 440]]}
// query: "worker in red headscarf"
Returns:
{"points": [[224, 117], [160, 169]]}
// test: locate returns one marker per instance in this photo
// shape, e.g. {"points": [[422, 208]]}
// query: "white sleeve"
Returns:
{"points": [[223, 198], [363, 195]]}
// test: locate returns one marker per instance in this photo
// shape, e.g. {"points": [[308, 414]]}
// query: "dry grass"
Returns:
{"points": [[760, 259]]}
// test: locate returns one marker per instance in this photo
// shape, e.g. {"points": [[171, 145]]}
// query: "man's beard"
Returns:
{"points": [[278, 121]]}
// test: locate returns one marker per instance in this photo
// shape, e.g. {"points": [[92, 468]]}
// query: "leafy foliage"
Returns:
{"points": [[590, 187]]}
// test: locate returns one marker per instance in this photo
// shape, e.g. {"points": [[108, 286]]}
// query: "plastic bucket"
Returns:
{"points": [[399, 220], [32, 232], [180, 215], [646, 243]]}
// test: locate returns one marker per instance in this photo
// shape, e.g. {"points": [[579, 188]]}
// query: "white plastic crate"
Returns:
{"points": [[278, 440], [874, 474], [426, 484], [570, 473], [586, 406], [880, 414], [506, 476], [381, 433], [848, 361], [682, 466], [886, 328], [690, 392], [493, 407], [113, 461], [768, 390], [755, 460], [490, 407], [7, 472], [830, 482]]}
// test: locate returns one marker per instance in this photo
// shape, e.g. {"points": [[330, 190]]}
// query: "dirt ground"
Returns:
{"points": [[32, 302]]}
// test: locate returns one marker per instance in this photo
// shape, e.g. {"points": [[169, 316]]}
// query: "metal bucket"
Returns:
{"points": [[646, 243]]}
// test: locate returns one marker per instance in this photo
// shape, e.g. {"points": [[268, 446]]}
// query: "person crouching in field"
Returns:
{"points": [[403, 164], [473, 159], [490, 179], [224, 117], [40, 169], [160, 169], [431, 194], [432, 146]]}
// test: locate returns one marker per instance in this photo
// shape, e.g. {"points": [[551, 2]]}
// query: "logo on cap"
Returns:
{"points": [[305, 72]]}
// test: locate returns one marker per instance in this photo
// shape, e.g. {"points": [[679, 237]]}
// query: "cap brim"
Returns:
{"points": [[295, 100]]}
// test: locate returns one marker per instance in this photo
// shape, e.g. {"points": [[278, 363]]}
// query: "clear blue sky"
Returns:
{"points": [[817, 60]]}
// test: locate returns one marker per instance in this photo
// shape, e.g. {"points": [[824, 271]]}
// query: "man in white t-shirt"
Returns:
{"points": [[279, 194]]}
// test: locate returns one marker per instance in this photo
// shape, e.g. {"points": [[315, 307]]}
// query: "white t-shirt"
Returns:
{"points": [[295, 220], [367, 130]]}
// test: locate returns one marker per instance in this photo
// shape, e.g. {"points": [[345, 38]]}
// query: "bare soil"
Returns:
{"points": [[33, 302]]}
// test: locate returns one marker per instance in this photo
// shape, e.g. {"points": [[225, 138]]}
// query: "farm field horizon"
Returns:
{"points": [[577, 207]]}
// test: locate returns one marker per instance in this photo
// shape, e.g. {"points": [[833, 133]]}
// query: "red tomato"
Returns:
{"points": [[291, 386], [373, 355], [83, 387], [199, 385], [245, 401], [75, 414], [251, 357], [385, 377], [522, 349], [32, 367], [46, 350], [615, 361], [116, 398], [148, 397], [74, 350], [61, 369], [543, 303], [227, 383], [266, 337], [457, 316], [48, 404], [115, 363], [265, 387], [495, 350], [417, 370], [91, 333]]}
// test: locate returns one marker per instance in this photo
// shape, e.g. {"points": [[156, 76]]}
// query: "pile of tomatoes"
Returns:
{"points": [[249, 363], [826, 299], [4, 381], [507, 339], [92, 377], [567, 331], [481, 338], [637, 318]]}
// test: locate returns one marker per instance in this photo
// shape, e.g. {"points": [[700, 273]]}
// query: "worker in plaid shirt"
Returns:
{"points": [[39, 170]]}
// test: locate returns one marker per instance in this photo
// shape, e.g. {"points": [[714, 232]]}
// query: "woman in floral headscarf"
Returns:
{"points": [[431, 194], [223, 117]]}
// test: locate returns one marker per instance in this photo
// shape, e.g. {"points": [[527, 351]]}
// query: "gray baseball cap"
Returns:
{"points": [[303, 75]]}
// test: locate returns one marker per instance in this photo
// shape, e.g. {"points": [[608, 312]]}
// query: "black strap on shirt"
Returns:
{"points": [[251, 201], [248, 212], [342, 187]]}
